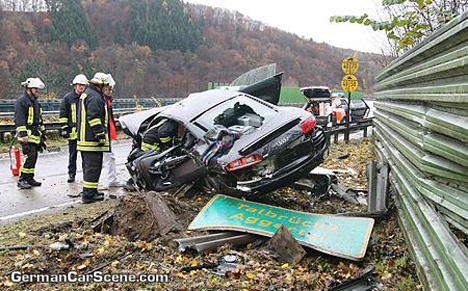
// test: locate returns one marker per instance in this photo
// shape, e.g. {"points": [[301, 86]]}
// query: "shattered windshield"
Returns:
{"points": [[241, 113]]}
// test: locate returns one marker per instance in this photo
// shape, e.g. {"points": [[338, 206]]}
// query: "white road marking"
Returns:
{"points": [[37, 210]]}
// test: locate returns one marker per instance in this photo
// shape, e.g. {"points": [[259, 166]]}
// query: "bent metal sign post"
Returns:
{"points": [[340, 236]]}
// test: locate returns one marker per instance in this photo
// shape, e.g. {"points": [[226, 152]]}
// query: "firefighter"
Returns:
{"points": [[68, 119], [29, 127], [160, 136], [93, 134]]}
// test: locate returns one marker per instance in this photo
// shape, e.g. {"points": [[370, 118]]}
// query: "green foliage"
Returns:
{"points": [[69, 23], [162, 24], [409, 21]]}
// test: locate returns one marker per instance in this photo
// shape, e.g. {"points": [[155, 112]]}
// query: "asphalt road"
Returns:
{"points": [[51, 170]]}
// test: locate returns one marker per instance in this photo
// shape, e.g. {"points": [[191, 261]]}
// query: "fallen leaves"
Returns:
{"points": [[255, 268]]}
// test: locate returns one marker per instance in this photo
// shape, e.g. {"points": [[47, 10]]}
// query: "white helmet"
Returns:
{"points": [[33, 83], [80, 79], [111, 81], [102, 79]]}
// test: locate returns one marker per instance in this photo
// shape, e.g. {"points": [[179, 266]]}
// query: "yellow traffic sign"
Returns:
{"points": [[350, 65], [349, 83]]}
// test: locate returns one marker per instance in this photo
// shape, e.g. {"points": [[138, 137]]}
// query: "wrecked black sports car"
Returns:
{"points": [[235, 142]]}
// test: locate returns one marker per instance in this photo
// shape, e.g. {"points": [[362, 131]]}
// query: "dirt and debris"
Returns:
{"points": [[286, 247], [254, 267]]}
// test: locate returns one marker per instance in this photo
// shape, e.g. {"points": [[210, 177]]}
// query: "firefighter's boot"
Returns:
{"points": [[23, 184], [33, 182]]}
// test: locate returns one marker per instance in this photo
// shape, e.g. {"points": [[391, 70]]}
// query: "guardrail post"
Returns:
{"points": [[336, 133], [365, 131]]}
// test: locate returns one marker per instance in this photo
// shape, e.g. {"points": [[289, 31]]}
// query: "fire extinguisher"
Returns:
{"points": [[16, 163]]}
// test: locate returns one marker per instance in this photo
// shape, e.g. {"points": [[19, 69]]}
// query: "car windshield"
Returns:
{"points": [[317, 93], [240, 114], [357, 103]]}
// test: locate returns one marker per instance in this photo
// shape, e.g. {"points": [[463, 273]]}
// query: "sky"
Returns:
{"points": [[310, 19]]}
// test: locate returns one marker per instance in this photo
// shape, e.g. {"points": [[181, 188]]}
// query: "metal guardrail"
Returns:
{"points": [[55, 125], [421, 130]]}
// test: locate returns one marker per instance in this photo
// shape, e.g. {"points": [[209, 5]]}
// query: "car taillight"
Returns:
{"points": [[308, 124], [243, 163], [334, 113]]}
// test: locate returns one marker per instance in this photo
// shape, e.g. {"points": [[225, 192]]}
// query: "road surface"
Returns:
{"points": [[51, 170]]}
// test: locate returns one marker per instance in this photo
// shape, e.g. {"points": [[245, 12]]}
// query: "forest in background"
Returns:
{"points": [[155, 48]]}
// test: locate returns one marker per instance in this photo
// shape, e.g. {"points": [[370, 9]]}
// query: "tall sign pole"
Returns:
{"points": [[349, 83]]}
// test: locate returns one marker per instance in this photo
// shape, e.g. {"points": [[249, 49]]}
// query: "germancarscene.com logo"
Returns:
{"points": [[95, 277]]}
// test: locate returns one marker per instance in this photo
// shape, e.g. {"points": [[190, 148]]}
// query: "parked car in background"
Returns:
{"points": [[359, 110], [236, 142], [318, 102]]}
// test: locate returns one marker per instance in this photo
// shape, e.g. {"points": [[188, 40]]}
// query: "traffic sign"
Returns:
{"points": [[350, 65], [349, 83]]}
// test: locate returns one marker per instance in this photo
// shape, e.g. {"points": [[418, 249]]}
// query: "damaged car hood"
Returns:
{"points": [[132, 122]]}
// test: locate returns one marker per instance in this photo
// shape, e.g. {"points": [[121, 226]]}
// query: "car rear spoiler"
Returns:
{"points": [[268, 90]]}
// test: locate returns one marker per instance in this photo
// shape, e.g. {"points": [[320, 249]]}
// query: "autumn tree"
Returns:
{"points": [[69, 23], [407, 22], [163, 24]]}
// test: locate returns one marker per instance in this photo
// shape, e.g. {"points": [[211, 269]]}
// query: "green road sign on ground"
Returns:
{"points": [[341, 236]]}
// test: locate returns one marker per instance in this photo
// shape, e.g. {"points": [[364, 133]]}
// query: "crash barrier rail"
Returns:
{"points": [[421, 130], [353, 127], [54, 105], [8, 128]]}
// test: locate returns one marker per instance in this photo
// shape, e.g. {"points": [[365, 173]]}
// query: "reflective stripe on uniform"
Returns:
{"points": [[26, 170], [73, 135], [30, 115], [21, 128], [32, 138], [73, 112], [93, 148], [94, 122], [83, 117], [106, 115], [63, 120], [90, 185], [147, 146], [166, 139], [92, 143], [23, 169]]}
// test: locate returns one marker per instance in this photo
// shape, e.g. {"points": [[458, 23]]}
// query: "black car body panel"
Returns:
{"points": [[273, 136]]}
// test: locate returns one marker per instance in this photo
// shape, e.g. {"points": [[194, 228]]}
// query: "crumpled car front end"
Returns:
{"points": [[227, 141]]}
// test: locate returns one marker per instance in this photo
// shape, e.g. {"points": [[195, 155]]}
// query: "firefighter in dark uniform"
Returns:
{"points": [[68, 120], [160, 136], [29, 127], [93, 134]]}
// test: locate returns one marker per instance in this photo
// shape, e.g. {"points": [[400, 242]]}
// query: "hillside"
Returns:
{"points": [[159, 48]]}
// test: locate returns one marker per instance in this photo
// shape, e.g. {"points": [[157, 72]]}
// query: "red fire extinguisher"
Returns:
{"points": [[15, 164]]}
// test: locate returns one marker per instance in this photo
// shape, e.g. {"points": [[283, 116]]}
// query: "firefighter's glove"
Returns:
{"points": [[65, 134]]}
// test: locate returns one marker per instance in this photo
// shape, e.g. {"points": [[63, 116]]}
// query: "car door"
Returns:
{"points": [[268, 90]]}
